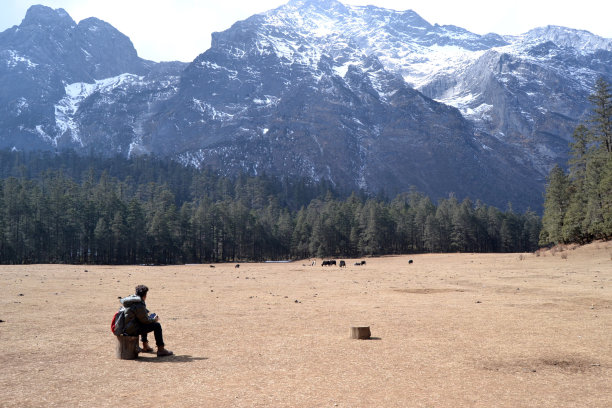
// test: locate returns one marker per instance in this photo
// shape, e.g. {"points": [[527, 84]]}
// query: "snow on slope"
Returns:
{"points": [[302, 31], [68, 106], [581, 40], [13, 59]]}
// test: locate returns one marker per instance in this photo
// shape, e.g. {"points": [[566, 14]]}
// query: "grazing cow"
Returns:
{"points": [[410, 261], [357, 264], [363, 262], [325, 263], [332, 262], [212, 266], [237, 266], [342, 264]]}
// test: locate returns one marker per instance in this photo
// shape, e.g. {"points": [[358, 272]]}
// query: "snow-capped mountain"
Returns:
{"points": [[362, 96], [55, 75]]}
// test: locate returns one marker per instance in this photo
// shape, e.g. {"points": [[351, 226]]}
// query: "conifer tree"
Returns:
{"points": [[574, 226], [598, 199], [601, 117], [555, 205]]}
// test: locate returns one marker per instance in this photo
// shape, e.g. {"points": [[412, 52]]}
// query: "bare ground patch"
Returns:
{"points": [[575, 365], [428, 291], [453, 330]]}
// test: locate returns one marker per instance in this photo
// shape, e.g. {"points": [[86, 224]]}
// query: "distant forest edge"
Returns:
{"points": [[578, 203], [65, 208]]}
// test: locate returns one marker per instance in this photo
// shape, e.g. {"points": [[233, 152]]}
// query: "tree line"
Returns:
{"points": [[578, 203], [63, 208]]}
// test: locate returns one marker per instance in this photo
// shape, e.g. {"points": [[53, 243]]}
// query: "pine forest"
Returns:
{"points": [[63, 208]]}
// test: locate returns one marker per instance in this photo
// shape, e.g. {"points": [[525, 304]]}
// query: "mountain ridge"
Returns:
{"points": [[364, 97]]}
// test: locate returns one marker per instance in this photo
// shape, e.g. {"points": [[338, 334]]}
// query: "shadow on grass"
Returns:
{"points": [[152, 358]]}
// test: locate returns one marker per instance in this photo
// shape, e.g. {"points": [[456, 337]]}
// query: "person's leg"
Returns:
{"points": [[159, 340], [157, 331], [145, 344]]}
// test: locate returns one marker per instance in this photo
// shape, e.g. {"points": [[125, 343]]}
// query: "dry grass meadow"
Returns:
{"points": [[449, 330]]}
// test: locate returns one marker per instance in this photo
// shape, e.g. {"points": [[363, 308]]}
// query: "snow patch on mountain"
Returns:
{"points": [[267, 100], [13, 59], [482, 113], [44, 135], [67, 107], [210, 111], [20, 106], [420, 67]]}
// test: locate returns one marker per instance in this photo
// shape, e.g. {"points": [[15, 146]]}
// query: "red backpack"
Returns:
{"points": [[118, 322]]}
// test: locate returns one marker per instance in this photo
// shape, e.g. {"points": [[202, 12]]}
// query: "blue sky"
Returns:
{"points": [[180, 29]]}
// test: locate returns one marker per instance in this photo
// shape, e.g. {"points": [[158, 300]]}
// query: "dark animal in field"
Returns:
{"points": [[410, 261], [212, 266], [332, 262], [342, 264], [363, 262], [328, 263], [237, 266], [357, 263]]}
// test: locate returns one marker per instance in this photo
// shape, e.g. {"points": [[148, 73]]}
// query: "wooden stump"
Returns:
{"points": [[127, 347], [360, 332]]}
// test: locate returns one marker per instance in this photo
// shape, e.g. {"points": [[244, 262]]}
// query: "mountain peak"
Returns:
{"points": [[94, 26], [320, 3], [568, 37], [43, 15], [326, 5]]}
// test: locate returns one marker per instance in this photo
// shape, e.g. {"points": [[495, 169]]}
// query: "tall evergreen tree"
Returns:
{"points": [[601, 117], [555, 205], [574, 226], [599, 156]]}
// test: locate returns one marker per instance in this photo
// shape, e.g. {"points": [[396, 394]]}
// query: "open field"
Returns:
{"points": [[450, 330]]}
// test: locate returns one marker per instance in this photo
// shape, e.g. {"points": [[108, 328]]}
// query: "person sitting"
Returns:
{"points": [[138, 322]]}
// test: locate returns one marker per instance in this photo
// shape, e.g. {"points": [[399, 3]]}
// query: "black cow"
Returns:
{"points": [[237, 266], [342, 264], [363, 262], [325, 263], [410, 261]]}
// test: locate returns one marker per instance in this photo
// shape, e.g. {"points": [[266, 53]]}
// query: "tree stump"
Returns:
{"points": [[127, 347], [360, 332]]}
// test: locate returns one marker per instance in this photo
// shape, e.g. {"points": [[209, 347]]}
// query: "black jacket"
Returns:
{"points": [[136, 314]]}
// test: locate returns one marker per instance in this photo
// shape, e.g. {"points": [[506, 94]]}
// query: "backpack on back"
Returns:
{"points": [[118, 322]]}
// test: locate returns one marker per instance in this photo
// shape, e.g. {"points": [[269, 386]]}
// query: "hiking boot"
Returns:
{"points": [[146, 348], [162, 352]]}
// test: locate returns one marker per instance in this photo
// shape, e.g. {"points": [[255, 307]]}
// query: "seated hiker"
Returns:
{"points": [[139, 322]]}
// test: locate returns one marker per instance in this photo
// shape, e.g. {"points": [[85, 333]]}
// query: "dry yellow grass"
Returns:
{"points": [[456, 330]]}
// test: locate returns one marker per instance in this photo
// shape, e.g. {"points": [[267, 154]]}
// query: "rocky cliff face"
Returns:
{"points": [[364, 97]]}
